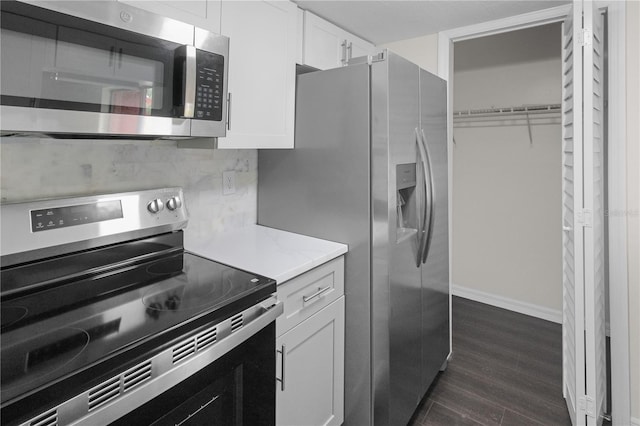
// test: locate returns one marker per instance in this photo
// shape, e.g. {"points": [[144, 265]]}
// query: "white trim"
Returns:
{"points": [[538, 311], [617, 171], [445, 60], [518, 22], [618, 279], [449, 178]]}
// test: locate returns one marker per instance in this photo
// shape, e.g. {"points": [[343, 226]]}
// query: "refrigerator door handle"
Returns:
{"points": [[430, 200], [423, 205]]}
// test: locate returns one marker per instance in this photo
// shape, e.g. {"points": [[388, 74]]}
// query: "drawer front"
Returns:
{"points": [[308, 293]]}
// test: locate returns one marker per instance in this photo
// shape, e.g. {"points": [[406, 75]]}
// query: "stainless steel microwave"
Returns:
{"points": [[103, 68]]}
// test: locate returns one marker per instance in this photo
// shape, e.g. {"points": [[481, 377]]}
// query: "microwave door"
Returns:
{"points": [[71, 75]]}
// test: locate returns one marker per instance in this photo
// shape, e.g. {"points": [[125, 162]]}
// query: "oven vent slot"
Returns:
{"points": [[236, 322], [206, 338], [112, 388], [104, 393], [184, 350], [50, 418], [136, 376]]}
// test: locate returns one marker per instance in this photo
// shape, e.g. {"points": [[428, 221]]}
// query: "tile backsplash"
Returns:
{"points": [[33, 168]]}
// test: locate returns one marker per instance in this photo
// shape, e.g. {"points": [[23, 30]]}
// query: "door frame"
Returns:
{"points": [[617, 188]]}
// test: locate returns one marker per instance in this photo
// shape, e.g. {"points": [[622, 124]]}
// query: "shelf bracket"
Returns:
{"points": [[529, 128]]}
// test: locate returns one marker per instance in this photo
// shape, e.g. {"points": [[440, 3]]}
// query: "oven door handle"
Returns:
{"points": [[166, 369]]}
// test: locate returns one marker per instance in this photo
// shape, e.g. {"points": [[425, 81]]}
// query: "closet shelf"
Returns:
{"points": [[508, 111], [526, 115]]}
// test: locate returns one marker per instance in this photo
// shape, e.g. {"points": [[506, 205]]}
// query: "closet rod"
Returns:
{"points": [[507, 111]]}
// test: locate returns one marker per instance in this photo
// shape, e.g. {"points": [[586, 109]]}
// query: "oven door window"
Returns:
{"points": [[218, 400], [64, 62], [237, 389]]}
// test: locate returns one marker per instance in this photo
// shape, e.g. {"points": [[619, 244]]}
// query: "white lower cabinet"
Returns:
{"points": [[311, 356], [310, 353]]}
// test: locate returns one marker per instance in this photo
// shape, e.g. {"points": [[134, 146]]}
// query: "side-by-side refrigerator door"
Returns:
{"points": [[435, 269]]}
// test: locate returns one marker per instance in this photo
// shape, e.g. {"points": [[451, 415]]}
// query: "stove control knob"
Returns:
{"points": [[155, 206], [174, 203]]}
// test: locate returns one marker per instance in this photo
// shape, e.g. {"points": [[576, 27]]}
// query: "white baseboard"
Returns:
{"points": [[635, 421], [530, 309]]}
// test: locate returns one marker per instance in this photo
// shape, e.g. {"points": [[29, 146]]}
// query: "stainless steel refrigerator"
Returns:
{"points": [[369, 169]]}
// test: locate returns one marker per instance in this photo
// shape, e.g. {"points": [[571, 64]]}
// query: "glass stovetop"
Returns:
{"points": [[51, 334]]}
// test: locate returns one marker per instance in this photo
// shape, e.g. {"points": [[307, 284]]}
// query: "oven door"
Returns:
{"points": [[222, 373], [106, 68], [237, 389], [230, 381]]}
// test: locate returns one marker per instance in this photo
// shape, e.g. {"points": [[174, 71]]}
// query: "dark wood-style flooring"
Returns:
{"points": [[506, 369]]}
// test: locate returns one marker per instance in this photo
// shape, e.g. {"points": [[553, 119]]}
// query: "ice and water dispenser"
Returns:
{"points": [[407, 212]]}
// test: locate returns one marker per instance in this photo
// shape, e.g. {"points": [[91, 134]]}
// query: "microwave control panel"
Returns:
{"points": [[209, 86]]}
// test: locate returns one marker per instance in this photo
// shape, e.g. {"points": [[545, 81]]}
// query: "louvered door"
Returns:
{"points": [[584, 371], [572, 260], [594, 243]]}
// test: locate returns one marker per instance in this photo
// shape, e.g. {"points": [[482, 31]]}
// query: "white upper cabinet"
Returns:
{"points": [[328, 46], [300, 37], [359, 47], [262, 71], [201, 13]]}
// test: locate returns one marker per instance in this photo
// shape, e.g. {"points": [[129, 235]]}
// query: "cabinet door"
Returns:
{"points": [[324, 43], [262, 68], [311, 367], [359, 47], [201, 13]]}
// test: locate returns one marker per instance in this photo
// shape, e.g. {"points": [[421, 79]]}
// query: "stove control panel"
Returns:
{"points": [[87, 221], [61, 217]]}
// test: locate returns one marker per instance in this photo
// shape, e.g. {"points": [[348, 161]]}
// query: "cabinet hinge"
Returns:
{"points": [[587, 405], [585, 37], [584, 218]]}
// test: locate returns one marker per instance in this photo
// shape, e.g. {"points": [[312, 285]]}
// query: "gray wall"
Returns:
{"points": [[33, 168], [422, 51], [507, 191]]}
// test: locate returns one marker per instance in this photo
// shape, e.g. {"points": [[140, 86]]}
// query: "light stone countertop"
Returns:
{"points": [[269, 252]]}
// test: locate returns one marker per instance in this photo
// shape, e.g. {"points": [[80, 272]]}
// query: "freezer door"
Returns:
{"points": [[435, 270], [322, 189]]}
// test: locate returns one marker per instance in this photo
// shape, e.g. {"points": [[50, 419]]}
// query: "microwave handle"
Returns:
{"points": [[190, 82]]}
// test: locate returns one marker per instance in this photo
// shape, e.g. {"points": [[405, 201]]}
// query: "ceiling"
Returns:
{"points": [[385, 21]]}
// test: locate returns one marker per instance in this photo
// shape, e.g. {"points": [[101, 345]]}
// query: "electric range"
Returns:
{"points": [[107, 319]]}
